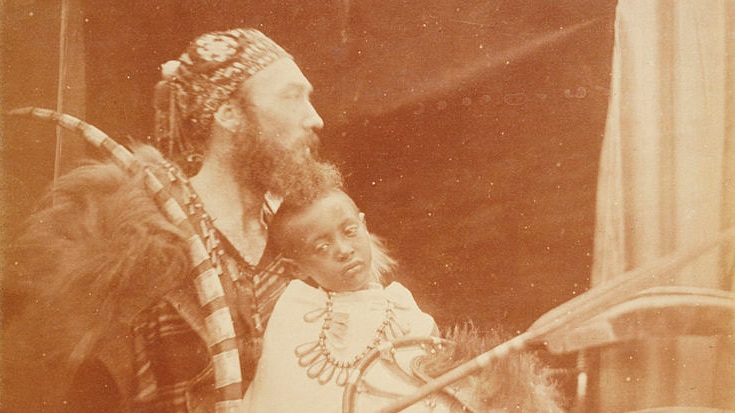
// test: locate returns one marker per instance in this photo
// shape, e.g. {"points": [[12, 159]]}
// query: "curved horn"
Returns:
{"points": [[91, 134], [199, 230]]}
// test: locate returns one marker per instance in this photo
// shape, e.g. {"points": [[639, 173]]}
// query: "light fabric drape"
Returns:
{"points": [[667, 182]]}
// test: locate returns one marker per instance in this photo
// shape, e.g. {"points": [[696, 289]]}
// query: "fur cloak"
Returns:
{"points": [[95, 253]]}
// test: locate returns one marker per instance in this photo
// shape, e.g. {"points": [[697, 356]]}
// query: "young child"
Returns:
{"points": [[338, 310]]}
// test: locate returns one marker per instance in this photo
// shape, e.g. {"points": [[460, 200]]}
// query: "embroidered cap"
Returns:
{"points": [[203, 78]]}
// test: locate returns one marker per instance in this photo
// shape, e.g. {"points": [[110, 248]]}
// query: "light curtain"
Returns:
{"points": [[666, 183]]}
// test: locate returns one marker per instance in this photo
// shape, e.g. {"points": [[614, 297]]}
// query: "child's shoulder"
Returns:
{"points": [[299, 287], [299, 291], [399, 293]]}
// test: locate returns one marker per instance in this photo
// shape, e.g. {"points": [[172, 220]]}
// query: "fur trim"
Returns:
{"points": [[518, 382], [94, 254]]}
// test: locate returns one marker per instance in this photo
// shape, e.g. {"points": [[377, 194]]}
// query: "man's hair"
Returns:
{"points": [[195, 85]]}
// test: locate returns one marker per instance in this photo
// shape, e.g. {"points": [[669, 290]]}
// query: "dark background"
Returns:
{"points": [[469, 131]]}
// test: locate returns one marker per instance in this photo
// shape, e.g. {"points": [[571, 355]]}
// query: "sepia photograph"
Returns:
{"points": [[367, 206]]}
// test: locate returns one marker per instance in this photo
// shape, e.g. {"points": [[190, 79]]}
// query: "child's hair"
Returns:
{"points": [[382, 266]]}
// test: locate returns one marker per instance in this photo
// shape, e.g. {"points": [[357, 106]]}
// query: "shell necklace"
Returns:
{"points": [[316, 356]]}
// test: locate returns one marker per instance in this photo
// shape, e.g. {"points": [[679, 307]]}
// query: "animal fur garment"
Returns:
{"points": [[95, 253], [518, 382]]}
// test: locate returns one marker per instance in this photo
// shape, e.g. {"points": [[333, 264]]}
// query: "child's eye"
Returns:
{"points": [[351, 230], [321, 249]]}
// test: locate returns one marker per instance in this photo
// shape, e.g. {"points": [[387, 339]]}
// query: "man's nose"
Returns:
{"points": [[312, 120]]}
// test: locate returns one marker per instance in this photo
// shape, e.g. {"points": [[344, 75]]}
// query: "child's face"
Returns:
{"points": [[334, 246]]}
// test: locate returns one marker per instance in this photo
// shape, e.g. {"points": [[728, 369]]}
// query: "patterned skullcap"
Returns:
{"points": [[202, 79]]}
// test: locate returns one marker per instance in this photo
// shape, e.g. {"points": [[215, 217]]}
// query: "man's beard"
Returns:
{"points": [[263, 164]]}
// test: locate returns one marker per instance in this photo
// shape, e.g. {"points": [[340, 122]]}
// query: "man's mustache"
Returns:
{"points": [[313, 143]]}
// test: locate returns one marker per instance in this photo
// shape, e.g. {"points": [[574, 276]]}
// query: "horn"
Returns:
{"points": [[199, 230], [91, 134]]}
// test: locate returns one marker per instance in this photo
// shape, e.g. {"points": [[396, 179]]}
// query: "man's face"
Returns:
{"points": [[277, 148], [332, 244], [279, 98]]}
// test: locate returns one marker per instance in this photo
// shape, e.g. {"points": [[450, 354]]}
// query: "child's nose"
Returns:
{"points": [[344, 251]]}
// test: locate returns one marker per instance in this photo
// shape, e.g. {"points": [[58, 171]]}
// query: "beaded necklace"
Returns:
{"points": [[317, 357]]}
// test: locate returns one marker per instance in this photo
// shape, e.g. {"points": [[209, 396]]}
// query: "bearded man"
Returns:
{"points": [[117, 311]]}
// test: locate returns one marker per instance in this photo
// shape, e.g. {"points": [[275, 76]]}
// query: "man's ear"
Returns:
{"points": [[293, 268], [228, 116]]}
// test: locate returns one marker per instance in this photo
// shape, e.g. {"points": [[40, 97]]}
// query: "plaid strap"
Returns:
{"points": [[268, 284]]}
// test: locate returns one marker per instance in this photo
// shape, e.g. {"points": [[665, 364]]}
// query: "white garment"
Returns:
{"points": [[281, 384]]}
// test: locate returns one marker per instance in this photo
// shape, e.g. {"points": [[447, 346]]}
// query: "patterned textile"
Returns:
{"points": [[173, 366], [203, 78]]}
